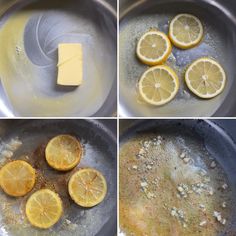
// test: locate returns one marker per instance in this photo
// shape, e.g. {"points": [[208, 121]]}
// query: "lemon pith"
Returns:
{"points": [[17, 178], [44, 208]]}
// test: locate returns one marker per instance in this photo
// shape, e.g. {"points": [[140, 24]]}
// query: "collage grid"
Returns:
{"points": [[117, 118]]}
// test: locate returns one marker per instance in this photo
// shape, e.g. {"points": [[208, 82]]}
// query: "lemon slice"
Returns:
{"points": [[17, 178], [153, 48], [63, 152], [186, 31], [158, 85], [87, 187], [206, 78], [44, 208]]}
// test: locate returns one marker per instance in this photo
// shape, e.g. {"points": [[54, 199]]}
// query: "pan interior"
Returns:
{"points": [[218, 42], [99, 152], [29, 38], [149, 208]]}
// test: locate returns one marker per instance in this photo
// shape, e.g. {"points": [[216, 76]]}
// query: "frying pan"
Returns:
{"points": [[219, 19], [98, 138], [217, 136], [30, 31]]}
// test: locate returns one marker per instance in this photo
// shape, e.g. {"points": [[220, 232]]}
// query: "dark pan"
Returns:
{"points": [[99, 146]]}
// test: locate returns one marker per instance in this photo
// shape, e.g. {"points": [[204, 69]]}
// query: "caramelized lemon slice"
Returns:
{"points": [[87, 187], [17, 178], [63, 152], [44, 208]]}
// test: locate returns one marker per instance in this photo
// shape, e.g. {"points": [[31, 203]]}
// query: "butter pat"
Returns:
{"points": [[70, 64]]}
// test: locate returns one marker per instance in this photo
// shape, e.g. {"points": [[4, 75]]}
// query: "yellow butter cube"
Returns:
{"points": [[70, 64]]}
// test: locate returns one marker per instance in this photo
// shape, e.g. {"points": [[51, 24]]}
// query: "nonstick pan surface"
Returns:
{"points": [[207, 134], [219, 20], [98, 139]]}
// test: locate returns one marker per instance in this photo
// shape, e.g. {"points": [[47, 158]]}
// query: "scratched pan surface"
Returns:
{"points": [[99, 151], [219, 20], [30, 32], [217, 137]]}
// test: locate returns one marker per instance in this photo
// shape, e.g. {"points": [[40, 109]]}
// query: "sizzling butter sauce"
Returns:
{"points": [[171, 186]]}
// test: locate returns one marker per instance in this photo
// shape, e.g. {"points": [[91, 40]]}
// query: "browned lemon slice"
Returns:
{"points": [[87, 187], [63, 152], [17, 178], [44, 208], [153, 48]]}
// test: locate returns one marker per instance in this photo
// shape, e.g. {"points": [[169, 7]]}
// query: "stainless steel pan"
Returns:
{"points": [[30, 32], [219, 19]]}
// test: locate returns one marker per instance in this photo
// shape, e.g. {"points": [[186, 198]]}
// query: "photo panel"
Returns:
{"points": [[58, 58], [58, 177], [177, 177], [176, 58]]}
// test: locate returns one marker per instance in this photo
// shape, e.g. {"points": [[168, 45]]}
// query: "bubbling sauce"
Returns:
{"points": [[171, 186]]}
